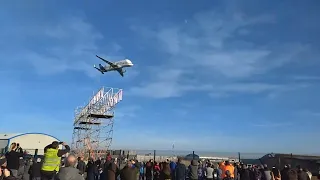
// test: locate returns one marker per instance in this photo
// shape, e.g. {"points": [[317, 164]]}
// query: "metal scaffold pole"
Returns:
{"points": [[93, 124]]}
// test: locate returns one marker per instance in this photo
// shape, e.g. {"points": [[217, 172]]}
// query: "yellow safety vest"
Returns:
{"points": [[51, 160]]}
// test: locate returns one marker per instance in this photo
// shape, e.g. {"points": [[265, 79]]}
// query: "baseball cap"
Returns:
{"points": [[2, 161]]}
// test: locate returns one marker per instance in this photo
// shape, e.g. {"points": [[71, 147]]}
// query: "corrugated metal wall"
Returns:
{"points": [[3, 144]]}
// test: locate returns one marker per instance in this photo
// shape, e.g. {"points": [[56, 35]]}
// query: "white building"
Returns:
{"points": [[27, 141]]}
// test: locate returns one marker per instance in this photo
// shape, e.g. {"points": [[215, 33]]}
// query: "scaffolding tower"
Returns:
{"points": [[93, 124]]}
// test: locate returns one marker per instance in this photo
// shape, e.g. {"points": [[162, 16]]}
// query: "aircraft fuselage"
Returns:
{"points": [[121, 64]]}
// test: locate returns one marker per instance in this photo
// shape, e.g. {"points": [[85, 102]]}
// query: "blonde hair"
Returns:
{"points": [[13, 146]]}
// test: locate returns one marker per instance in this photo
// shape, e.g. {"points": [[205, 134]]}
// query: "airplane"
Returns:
{"points": [[114, 66]]}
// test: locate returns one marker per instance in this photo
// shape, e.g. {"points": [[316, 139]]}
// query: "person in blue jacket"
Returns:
{"points": [[141, 170], [173, 168]]}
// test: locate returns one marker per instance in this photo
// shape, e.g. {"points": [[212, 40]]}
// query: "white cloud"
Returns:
{"points": [[205, 55], [67, 44]]}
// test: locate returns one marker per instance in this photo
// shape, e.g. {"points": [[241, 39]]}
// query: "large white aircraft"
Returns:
{"points": [[114, 66]]}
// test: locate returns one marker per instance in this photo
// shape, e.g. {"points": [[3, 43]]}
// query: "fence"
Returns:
{"points": [[310, 162], [162, 155]]}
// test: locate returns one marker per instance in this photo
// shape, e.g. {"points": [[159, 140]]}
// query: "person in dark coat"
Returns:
{"points": [[35, 170], [165, 173], [302, 175], [81, 166], [180, 171], [244, 173], [148, 173], [98, 169], [130, 171], [292, 174], [284, 172], [13, 159], [105, 165], [110, 171], [91, 168]]}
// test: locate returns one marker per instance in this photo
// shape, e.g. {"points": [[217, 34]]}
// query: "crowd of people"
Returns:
{"points": [[50, 167], [199, 170]]}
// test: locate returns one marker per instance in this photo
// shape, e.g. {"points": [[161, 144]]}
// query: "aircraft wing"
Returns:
{"points": [[108, 62], [120, 71]]}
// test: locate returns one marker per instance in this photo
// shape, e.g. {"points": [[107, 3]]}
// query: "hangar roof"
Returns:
{"points": [[12, 135], [8, 135]]}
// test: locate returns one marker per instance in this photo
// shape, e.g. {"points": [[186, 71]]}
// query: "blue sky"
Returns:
{"points": [[208, 75]]}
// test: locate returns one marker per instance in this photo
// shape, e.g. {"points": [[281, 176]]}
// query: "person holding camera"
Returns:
{"points": [[52, 159], [13, 158]]}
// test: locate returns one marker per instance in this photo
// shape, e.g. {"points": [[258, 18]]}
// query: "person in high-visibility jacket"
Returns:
{"points": [[52, 159], [228, 167]]}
